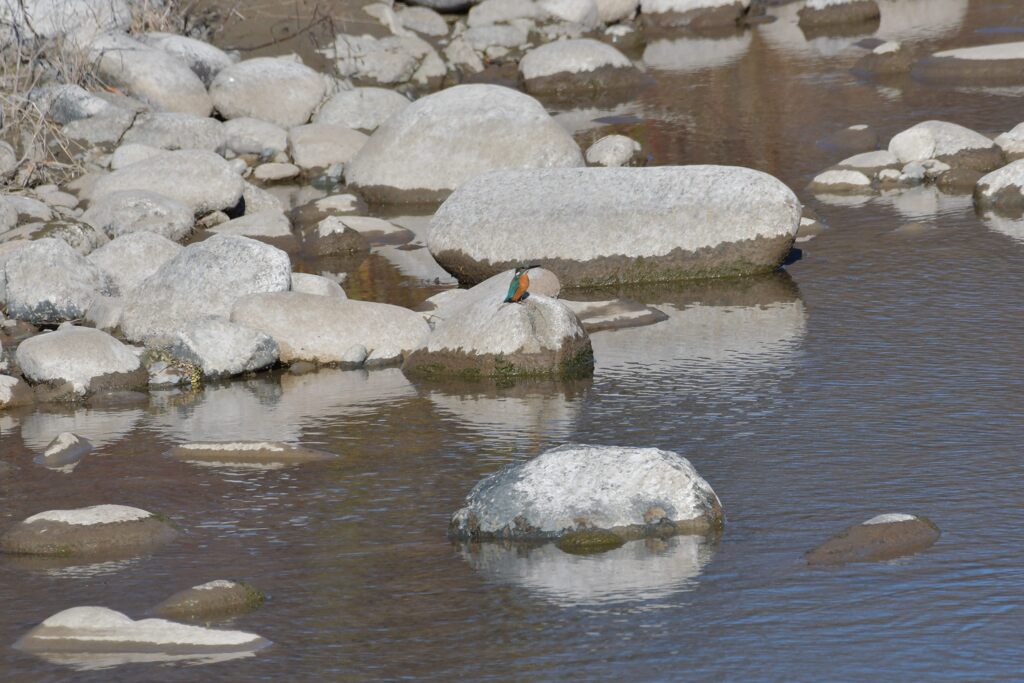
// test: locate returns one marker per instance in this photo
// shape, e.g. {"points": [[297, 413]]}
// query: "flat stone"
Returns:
{"points": [[276, 171], [275, 90], [211, 599], [573, 65], [998, 64], [248, 452], [130, 259], [124, 212], [87, 531], [81, 356], [269, 223], [223, 349], [361, 108], [884, 537]]}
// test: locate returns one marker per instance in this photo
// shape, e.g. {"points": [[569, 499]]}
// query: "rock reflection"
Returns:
{"points": [[1011, 227], [926, 201], [101, 427], [693, 54], [97, 661], [650, 569]]}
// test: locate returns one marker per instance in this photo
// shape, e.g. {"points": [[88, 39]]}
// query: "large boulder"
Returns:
{"points": [[361, 108], [575, 489], [576, 65], [87, 531], [223, 349], [86, 358], [276, 90], [130, 259], [1012, 143], [204, 280], [820, 13], [123, 212], [437, 143], [1002, 190], [205, 60], [151, 75], [693, 14], [201, 180], [48, 282], [999, 64], [599, 226], [322, 329], [880, 538], [946, 142], [174, 130], [211, 599]]}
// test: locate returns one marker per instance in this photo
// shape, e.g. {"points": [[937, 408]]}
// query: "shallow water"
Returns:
{"points": [[881, 372]]}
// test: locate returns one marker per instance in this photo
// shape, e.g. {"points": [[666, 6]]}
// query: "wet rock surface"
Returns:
{"points": [[223, 349], [880, 538], [98, 529], [1002, 190], [258, 452], [576, 65], [217, 598]]}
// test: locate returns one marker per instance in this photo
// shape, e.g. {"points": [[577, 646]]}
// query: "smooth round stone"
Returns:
{"points": [[275, 90], [211, 599], [88, 359], [86, 531], [884, 537], [576, 65], [840, 181], [947, 142]]}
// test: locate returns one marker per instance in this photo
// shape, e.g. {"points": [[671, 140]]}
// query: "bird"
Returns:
{"points": [[520, 283]]}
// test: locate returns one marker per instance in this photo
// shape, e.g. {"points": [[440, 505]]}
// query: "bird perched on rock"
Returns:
{"points": [[520, 283]]}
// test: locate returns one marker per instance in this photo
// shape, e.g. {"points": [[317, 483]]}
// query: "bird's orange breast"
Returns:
{"points": [[524, 284]]}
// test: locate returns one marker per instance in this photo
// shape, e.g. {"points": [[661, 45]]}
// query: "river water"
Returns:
{"points": [[882, 372]]}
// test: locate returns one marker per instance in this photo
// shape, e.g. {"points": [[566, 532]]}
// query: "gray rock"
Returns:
{"points": [[172, 130], [77, 21], [28, 209], [88, 359], [268, 223], [275, 171], [65, 103], [211, 599], [124, 212], [105, 313], [361, 108], [880, 538], [205, 60], [201, 180], [64, 452], [423, 20], [82, 237], [87, 531], [320, 145], [128, 154], [387, 61], [322, 329], [613, 150], [841, 181], [502, 11], [316, 284], [252, 452], [252, 136], [611, 11], [204, 280], [1012, 143], [823, 13], [49, 282], [14, 392], [375, 230], [707, 14], [947, 142], [258, 200], [510, 36], [151, 75], [131, 258], [8, 159], [275, 90], [462, 57], [104, 130], [1002, 190], [682, 222], [223, 349], [8, 216], [631, 492], [437, 143], [579, 12]]}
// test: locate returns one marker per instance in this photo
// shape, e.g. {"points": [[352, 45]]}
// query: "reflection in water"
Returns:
{"points": [[579, 120], [101, 427], [926, 201], [650, 569], [416, 263], [691, 54], [95, 661], [1011, 227]]}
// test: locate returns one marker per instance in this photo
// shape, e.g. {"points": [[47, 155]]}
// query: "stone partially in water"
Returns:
{"points": [[574, 487], [1012, 143], [212, 599], [64, 452], [14, 392], [614, 150], [1002, 190], [823, 13], [223, 349], [883, 60], [693, 14], [316, 284], [602, 226], [880, 538], [86, 358], [87, 531], [567, 66], [321, 145], [255, 452], [840, 181], [999, 64], [946, 142]]}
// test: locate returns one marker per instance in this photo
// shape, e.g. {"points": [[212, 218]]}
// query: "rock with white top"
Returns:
{"points": [[14, 392], [574, 489], [253, 452], [280, 91], [823, 13], [611, 11], [317, 146], [998, 64], [840, 181], [437, 143], [205, 60], [275, 171], [1012, 143], [946, 142], [694, 14], [1002, 190], [853, 139], [614, 150], [86, 358], [64, 453], [344, 204], [496, 36], [321, 329], [885, 59], [423, 20], [870, 163], [387, 61], [87, 531], [251, 136], [682, 222], [331, 238], [580, 12], [151, 75], [130, 259], [173, 130], [575, 65], [361, 108], [220, 348], [884, 537], [316, 284], [48, 282], [124, 212], [211, 599], [449, 303], [201, 180], [91, 632], [268, 224], [204, 280], [502, 12]]}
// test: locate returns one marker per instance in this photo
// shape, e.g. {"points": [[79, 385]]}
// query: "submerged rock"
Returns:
{"points": [[211, 599], [361, 108], [130, 259], [280, 91], [880, 538], [437, 143], [88, 359], [946, 142], [48, 282], [597, 226], [64, 452], [1002, 190], [820, 13], [883, 60], [87, 531], [247, 452], [576, 65], [999, 64], [694, 14], [632, 492], [614, 315], [223, 349]]}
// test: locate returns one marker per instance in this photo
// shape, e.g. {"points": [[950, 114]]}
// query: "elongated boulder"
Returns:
{"points": [[1002, 190], [437, 143], [222, 349], [947, 142], [361, 108], [49, 282], [630, 492], [880, 538], [321, 329], [131, 258], [694, 14], [598, 226], [275, 90], [174, 130], [821, 13], [87, 531], [576, 65], [122, 212], [85, 357], [98, 630], [998, 64], [204, 280], [252, 452], [211, 599]]}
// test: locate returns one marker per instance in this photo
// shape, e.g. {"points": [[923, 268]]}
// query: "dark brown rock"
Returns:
{"points": [[877, 540]]}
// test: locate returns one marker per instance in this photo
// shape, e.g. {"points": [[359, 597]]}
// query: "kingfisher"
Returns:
{"points": [[520, 283]]}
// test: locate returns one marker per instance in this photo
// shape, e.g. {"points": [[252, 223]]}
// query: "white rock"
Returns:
{"points": [[1012, 142], [128, 153], [423, 20], [48, 282], [582, 12], [119, 213], [440, 141], [461, 56], [316, 284], [1003, 188], [996, 52], [205, 60], [258, 200], [87, 516], [610, 11], [613, 150], [492, 36], [361, 108], [268, 223], [320, 145], [274, 90], [935, 140], [251, 136], [74, 354], [171, 130], [502, 11], [871, 161], [129, 259], [841, 180], [388, 61], [224, 349], [105, 313], [275, 171], [571, 57], [77, 21], [889, 518]]}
